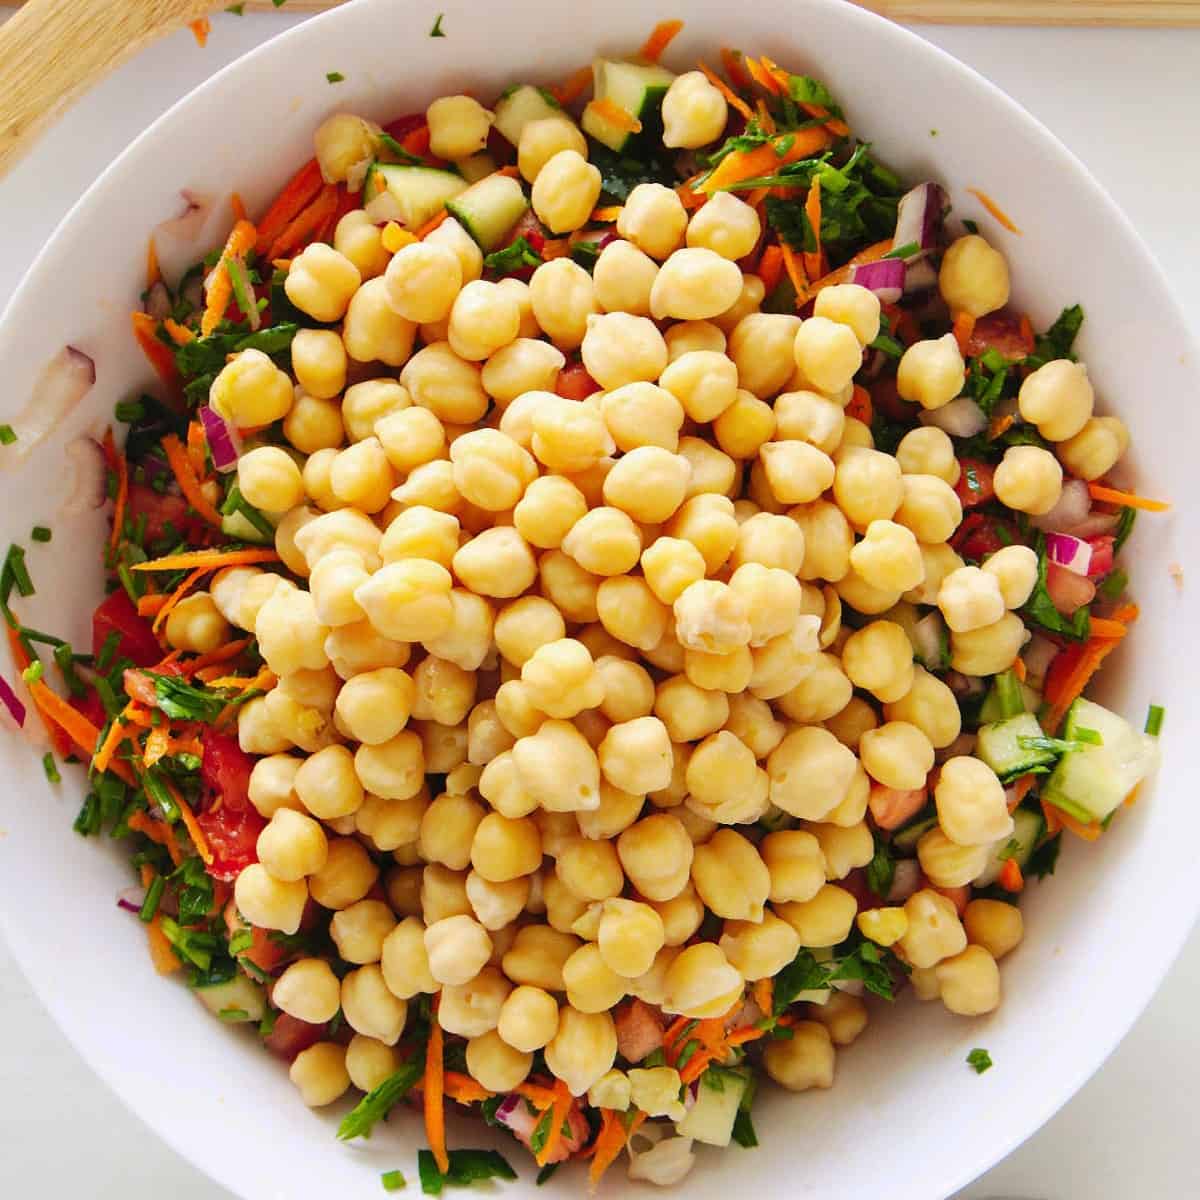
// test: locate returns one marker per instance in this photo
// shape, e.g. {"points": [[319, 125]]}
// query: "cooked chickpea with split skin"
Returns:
{"points": [[621, 620]]}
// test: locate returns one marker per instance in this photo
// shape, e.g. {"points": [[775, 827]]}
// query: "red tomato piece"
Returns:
{"points": [[402, 126], [980, 535], [291, 1036], [1004, 332], [1067, 590], [575, 383], [1102, 555], [886, 401], [639, 1030], [231, 826], [225, 770], [891, 808], [91, 707], [159, 508], [137, 641], [974, 484]]}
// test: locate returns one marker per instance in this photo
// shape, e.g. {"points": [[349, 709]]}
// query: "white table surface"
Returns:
{"points": [[1127, 103]]}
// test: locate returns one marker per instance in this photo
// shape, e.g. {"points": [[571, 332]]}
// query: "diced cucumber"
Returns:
{"points": [[1028, 827], [998, 744], [525, 103], [477, 167], [905, 840], [996, 701], [414, 194], [636, 87], [710, 1120], [489, 209], [1092, 781], [931, 642], [237, 526], [232, 999]]}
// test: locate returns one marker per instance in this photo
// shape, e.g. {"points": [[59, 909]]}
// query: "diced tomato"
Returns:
{"points": [[1102, 555], [575, 383], [291, 1036], [225, 770], [639, 1030], [402, 126], [958, 896], [974, 484], [885, 399], [1061, 668], [980, 535], [90, 705], [160, 508], [1068, 591], [231, 826], [263, 953], [1004, 332], [890, 808], [137, 641]]}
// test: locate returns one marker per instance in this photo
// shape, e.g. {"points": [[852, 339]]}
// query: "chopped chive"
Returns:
{"points": [[157, 790], [8, 435], [41, 533], [34, 672], [233, 1014], [36, 635], [905, 251], [393, 1181], [334, 77], [131, 584], [153, 897], [14, 565], [970, 226], [1154, 719], [544, 1174], [51, 769], [437, 30], [107, 650], [128, 411], [686, 1053]]}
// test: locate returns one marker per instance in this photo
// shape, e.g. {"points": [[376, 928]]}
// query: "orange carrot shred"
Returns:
{"points": [[860, 406], [197, 447], [964, 326], [994, 209], [747, 1033], [239, 209], [1109, 495], [425, 230], [559, 1112], [179, 334], [189, 823], [1053, 824], [763, 992], [1020, 789], [297, 194], [73, 723], [1090, 832], [731, 97], [435, 1110], [221, 654], [200, 28], [208, 558], [178, 594], [1132, 798], [763, 160], [1019, 669], [841, 274], [241, 240], [610, 1141], [21, 660], [662, 35], [117, 733], [573, 86], [157, 831], [770, 269], [732, 60], [765, 120], [795, 271], [158, 745], [1103, 628], [607, 215], [1010, 877], [812, 210], [145, 330], [762, 76], [462, 1089], [607, 110], [153, 270], [299, 230], [188, 483]]}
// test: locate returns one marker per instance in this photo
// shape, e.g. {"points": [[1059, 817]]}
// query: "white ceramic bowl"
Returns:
{"points": [[907, 1116]]}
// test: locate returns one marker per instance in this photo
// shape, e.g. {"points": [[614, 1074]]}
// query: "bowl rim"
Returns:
{"points": [[1036, 1114]]}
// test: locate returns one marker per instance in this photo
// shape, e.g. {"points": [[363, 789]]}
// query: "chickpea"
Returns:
{"points": [[694, 112], [828, 540], [824, 920], [827, 352], [495, 1064], [523, 365], [973, 277], [569, 435], [700, 982], [623, 277], [1015, 569], [292, 846], [373, 330], [443, 894], [726, 225], [653, 219], [269, 902], [319, 364], [613, 1090], [1028, 479], [361, 241], [888, 557], [939, 562], [972, 809], [497, 562], [760, 950], [712, 617], [528, 1019], [934, 930], [604, 542], [558, 768], [929, 705], [867, 486], [989, 650], [731, 877], [447, 385], [347, 876], [403, 885], [808, 417], [822, 693], [616, 812], [761, 348], [1058, 399], [745, 426], [592, 986], [355, 648], [656, 854], [786, 662], [411, 437], [858, 716], [196, 624], [422, 281], [928, 451], [809, 771], [395, 769], [688, 712], [621, 348], [549, 509], [369, 1062], [320, 1074], [360, 931], [524, 626], [491, 470], [542, 139], [537, 956], [341, 142], [563, 297], [472, 1008], [390, 824], [565, 191], [796, 472], [642, 414], [671, 565], [969, 982], [795, 863], [361, 476], [994, 925], [628, 689], [930, 509], [852, 305], [470, 258], [457, 947], [409, 600], [583, 1049], [483, 319], [504, 849], [694, 284], [1096, 448], [308, 990], [561, 680], [878, 658], [321, 282], [931, 372], [458, 126], [251, 390], [271, 785], [568, 586]]}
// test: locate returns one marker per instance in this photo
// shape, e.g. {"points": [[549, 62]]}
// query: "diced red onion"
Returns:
{"points": [[223, 439], [919, 218], [131, 900], [89, 477], [960, 418], [179, 241], [1071, 509], [885, 278], [513, 1114], [905, 880], [12, 702], [1071, 553], [158, 301], [920, 277], [156, 468], [63, 382]]}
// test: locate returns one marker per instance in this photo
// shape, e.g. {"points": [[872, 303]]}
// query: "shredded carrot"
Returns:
{"points": [[145, 331], [732, 98], [964, 326], [188, 483], [763, 992], [540, 1097], [609, 111], [690, 199], [757, 196], [425, 230], [610, 1141], [1090, 832], [770, 268], [764, 160], [1109, 495], [161, 954], [1128, 613], [732, 60], [765, 120], [1132, 798], [200, 28], [189, 823], [813, 260], [1021, 788], [1101, 627], [208, 558], [220, 655], [762, 76], [795, 271], [241, 240], [179, 334], [178, 594], [116, 461], [675, 1029], [297, 194], [157, 831], [239, 209], [860, 406], [661, 36], [1092, 654], [994, 209], [1010, 877], [21, 660], [555, 248], [299, 230], [462, 1089], [747, 1033], [147, 874], [872, 253], [1019, 669], [573, 86], [158, 745], [607, 215], [153, 270], [435, 1111], [559, 1111], [197, 447], [1000, 425], [1053, 824], [696, 1066], [117, 733], [70, 720]]}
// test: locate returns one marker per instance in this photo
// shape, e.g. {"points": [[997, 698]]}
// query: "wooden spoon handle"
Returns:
{"points": [[53, 50]]}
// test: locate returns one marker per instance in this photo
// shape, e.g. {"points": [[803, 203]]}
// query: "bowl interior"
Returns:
{"points": [[904, 1089]]}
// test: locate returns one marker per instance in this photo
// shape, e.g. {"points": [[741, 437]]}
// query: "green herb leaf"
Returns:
{"points": [[393, 1181], [544, 1174], [183, 702], [905, 251], [153, 898], [1058, 340], [806, 90], [41, 533], [881, 870], [195, 891], [1044, 859], [378, 1102], [541, 1132], [238, 10], [802, 974], [1039, 608], [1154, 719], [233, 1014], [743, 1130], [8, 435], [466, 1167], [437, 30], [1124, 527], [969, 225], [980, 1060], [334, 77], [621, 173], [1113, 585], [399, 151], [512, 258]]}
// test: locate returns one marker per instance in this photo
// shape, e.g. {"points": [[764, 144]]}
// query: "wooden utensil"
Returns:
{"points": [[54, 50]]}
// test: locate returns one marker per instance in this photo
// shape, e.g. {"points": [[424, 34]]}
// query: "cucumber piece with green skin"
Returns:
{"points": [[1028, 828], [236, 996], [637, 88], [477, 167], [489, 209], [990, 711], [905, 838], [710, 1120], [998, 744], [522, 104], [236, 526], [1092, 781], [414, 194]]}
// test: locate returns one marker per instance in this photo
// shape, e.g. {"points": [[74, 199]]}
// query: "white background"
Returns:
{"points": [[1126, 102]]}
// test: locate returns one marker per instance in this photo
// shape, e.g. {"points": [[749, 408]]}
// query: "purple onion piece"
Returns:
{"points": [[12, 702], [156, 468], [1071, 553], [885, 278], [514, 1115], [919, 218], [128, 905], [920, 277], [223, 439]]}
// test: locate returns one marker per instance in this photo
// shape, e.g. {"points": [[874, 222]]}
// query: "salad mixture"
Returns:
{"points": [[601, 596]]}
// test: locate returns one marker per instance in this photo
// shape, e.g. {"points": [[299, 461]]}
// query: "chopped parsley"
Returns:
{"points": [[437, 30], [515, 257], [621, 173], [393, 1181], [200, 360], [378, 1102], [970, 226], [183, 702], [1124, 527], [8, 435], [585, 254], [129, 411], [334, 77], [195, 891], [41, 533], [881, 870], [1039, 608], [743, 1130], [238, 10], [979, 1060], [1044, 859], [1059, 339], [466, 1167]]}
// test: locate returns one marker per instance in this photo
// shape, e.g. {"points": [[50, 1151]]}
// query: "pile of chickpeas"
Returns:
{"points": [[613, 626]]}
